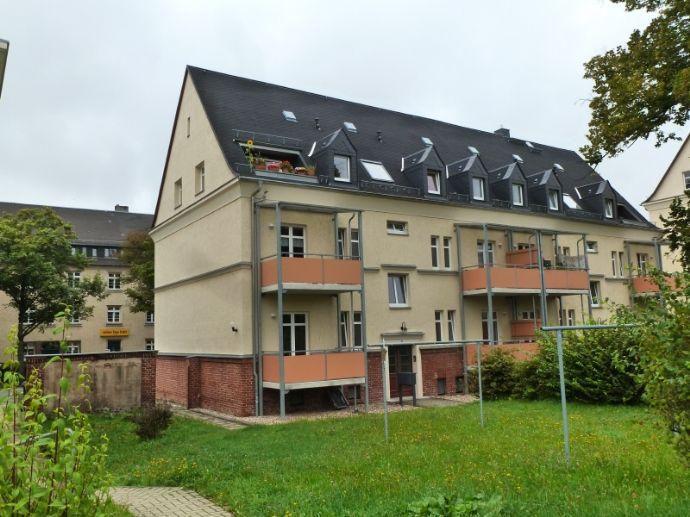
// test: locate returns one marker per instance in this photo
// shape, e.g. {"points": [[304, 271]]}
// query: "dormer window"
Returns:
{"points": [[608, 208], [478, 189], [341, 167], [433, 182], [518, 194], [553, 199]]}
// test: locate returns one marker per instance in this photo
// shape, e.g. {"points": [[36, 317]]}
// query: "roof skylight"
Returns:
{"points": [[376, 170], [558, 167], [569, 201], [350, 127], [529, 144], [518, 158], [473, 149], [427, 141], [289, 116]]}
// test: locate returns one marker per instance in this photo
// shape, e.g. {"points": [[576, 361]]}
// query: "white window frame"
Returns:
{"points": [[114, 281], [489, 253], [435, 251], [438, 325], [340, 243], [400, 298], [344, 328], [177, 193], [74, 278], [450, 320], [447, 260], [292, 238], [608, 208], [343, 177], [571, 317], [28, 320], [595, 294], [621, 263], [435, 177], [642, 263], [614, 263], [397, 228], [199, 178], [357, 329], [478, 188], [73, 347], [110, 252], [354, 243], [293, 325], [552, 199], [150, 317], [377, 171], [75, 318], [686, 178], [592, 246], [113, 314], [519, 189], [149, 344]]}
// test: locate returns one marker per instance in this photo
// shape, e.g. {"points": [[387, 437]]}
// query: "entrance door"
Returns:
{"points": [[399, 361]]}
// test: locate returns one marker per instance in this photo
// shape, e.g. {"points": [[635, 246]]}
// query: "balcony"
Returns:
{"points": [[524, 329], [315, 369], [509, 279], [309, 273], [644, 285]]}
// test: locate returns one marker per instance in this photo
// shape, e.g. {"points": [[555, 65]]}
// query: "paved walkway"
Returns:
{"points": [[165, 502]]}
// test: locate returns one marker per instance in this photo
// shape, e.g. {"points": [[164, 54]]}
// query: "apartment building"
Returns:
{"points": [[295, 232], [673, 184], [112, 327]]}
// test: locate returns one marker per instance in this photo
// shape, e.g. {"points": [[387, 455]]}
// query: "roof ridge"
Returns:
{"points": [[99, 210], [370, 106]]}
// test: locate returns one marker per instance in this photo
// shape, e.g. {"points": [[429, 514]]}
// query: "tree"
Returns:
{"points": [[35, 261], [677, 230], [138, 255], [642, 86]]}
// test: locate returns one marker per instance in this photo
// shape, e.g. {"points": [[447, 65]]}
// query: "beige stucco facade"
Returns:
{"points": [[672, 185], [92, 333]]}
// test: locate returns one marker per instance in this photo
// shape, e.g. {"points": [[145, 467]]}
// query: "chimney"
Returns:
{"points": [[504, 132], [121, 208]]}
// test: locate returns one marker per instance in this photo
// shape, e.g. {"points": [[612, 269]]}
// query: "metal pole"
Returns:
{"points": [[489, 291], [561, 374], [584, 249], [463, 332], [384, 373], [479, 381], [279, 312], [363, 309], [542, 286]]}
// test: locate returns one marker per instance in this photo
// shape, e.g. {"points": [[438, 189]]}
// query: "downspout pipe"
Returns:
{"points": [[256, 300]]}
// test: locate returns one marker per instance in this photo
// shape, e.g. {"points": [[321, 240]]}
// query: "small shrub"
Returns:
{"points": [[498, 375], [455, 506], [151, 421]]}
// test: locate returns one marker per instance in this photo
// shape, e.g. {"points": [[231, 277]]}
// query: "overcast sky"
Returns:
{"points": [[91, 87]]}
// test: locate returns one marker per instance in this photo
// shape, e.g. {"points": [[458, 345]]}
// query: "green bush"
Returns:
{"points": [[50, 462], [665, 328], [151, 421], [601, 366], [498, 375], [455, 506]]}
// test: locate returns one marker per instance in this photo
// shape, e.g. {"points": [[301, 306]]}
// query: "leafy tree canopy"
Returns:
{"points": [[677, 230], [138, 255], [642, 86], [35, 261]]}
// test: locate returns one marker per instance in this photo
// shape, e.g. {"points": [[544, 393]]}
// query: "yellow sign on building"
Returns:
{"points": [[114, 332]]}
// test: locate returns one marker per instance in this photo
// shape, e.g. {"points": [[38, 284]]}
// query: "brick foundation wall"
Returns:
{"points": [[438, 364], [227, 385], [171, 379], [375, 380], [148, 380]]}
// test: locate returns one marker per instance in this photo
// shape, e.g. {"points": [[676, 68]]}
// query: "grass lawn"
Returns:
{"points": [[622, 464]]}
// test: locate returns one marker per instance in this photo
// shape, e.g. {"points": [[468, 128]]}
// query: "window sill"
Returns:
{"points": [[399, 234], [199, 193], [147, 324], [342, 180], [399, 307], [113, 324]]}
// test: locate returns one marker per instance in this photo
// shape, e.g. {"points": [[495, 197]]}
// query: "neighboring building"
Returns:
{"points": [[673, 184], [352, 225], [100, 236]]}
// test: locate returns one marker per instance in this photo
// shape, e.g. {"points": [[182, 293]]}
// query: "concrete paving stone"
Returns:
{"points": [[165, 502]]}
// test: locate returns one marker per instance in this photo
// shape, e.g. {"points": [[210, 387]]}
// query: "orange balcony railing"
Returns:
{"points": [[512, 278], [646, 285], [312, 270], [524, 329], [325, 367], [526, 257]]}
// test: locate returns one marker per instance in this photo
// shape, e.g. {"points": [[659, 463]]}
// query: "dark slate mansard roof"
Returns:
{"points": [[93, 227], [237, 107]]}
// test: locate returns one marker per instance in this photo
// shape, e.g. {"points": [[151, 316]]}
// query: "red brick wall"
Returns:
{"points": [[375, 380], [171, 379], [440, 363], [227, 385], [148, 380]]}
